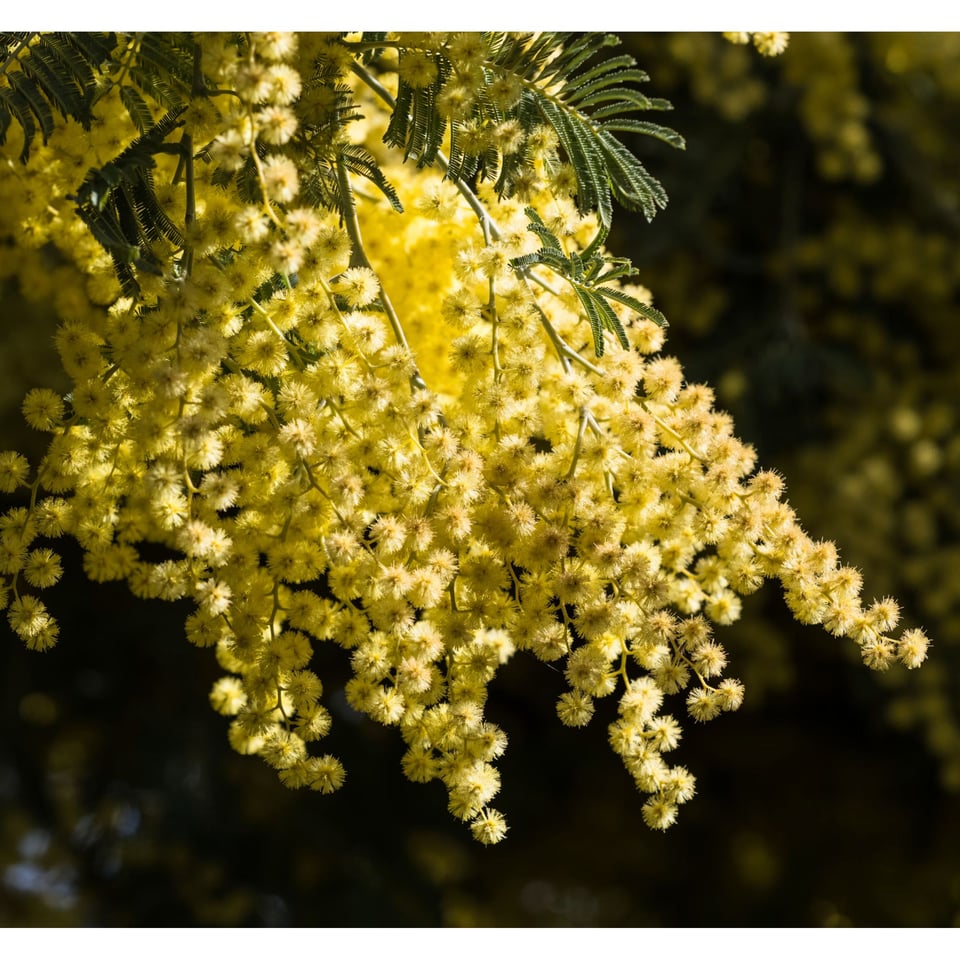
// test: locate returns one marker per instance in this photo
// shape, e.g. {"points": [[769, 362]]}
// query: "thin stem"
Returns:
{"points": [[490, 229], [579, 444], [267, 207], [339, 414], [186, 144], [190, 216], [359, 255], [665, 426], [558, 345], [473, 201], [293, 349], [359, 258], [133, 45]]}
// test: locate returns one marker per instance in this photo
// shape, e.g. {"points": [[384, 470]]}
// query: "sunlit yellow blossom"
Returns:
{"points": [[341, 402]]}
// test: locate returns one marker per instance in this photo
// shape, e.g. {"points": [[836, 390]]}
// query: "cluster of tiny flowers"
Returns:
{"points": [[769, 44], [432, 497]]}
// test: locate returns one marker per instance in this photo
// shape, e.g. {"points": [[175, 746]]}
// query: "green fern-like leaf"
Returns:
{"points": [[416, 125], [360, 161], [580, 103], [169, 55], [589, 274], [156, 67], [321, 137], [567, 81], [118, 203], [45, 73], [137, 107]]}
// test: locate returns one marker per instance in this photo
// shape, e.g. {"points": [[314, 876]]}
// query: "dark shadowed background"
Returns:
{"points": [[809, 266]]}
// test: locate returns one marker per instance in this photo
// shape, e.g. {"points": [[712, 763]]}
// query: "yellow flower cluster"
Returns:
{"points": [[822, 70], [876, 283], [373, 431], [769, 44], [899, 460], [835, 112]]}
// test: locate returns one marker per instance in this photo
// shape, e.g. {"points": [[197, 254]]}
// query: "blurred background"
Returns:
{"points": [[809, 265]]}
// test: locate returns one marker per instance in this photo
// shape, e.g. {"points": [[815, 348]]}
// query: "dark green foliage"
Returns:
{"points": [[372, 37], [416, 124], [322, 188], [589, 273], [359, 160], [65, 72], [136, 106], [161, 66], [49, 72], [245, 179], [561, 84], [562, 79], [320, 139], [118, 203]]}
